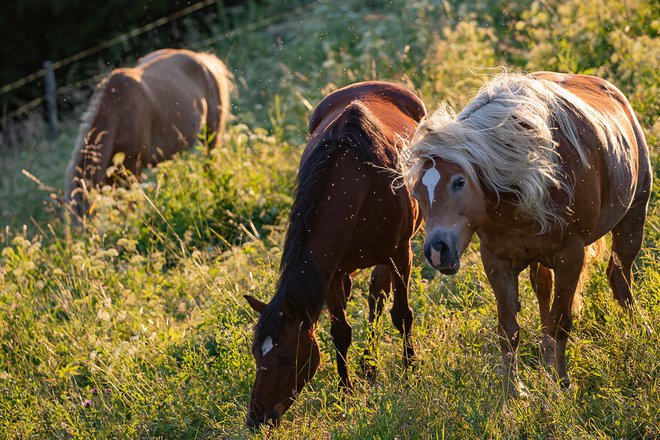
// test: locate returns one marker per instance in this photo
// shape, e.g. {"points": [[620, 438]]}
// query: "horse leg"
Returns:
{"points": [[626, 241], [541, 279], [504, 280], [401, 313], [379, 288], [567, 275], [339, 328]]}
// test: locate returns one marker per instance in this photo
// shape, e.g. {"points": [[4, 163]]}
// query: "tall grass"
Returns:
{"points": [[134, 325]]}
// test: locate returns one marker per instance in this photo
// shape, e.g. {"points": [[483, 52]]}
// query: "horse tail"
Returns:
{"points": [[223, 82], [361, 133], [356, 132], [592, 253]]}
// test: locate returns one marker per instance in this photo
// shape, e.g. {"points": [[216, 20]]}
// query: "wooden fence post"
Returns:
{"points": [[3, 125], [51, 100]]}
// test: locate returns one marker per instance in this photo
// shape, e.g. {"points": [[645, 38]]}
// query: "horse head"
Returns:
{"points": [[286, 360], [453, 206]]}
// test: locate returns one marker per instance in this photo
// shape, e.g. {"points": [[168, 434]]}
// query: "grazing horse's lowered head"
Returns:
{"points": [[539, 166], [345, 216], [286, 355], [146, 114], [285, 349]]}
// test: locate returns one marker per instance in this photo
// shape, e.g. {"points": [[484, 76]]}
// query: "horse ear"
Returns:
{"points": [[257, 305]]}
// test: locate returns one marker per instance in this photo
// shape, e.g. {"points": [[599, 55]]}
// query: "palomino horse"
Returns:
{"points": [[539, 166], [148, 113], [345, 216]]}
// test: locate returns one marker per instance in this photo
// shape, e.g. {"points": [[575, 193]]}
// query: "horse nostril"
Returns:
{"points": [[428, 252]]}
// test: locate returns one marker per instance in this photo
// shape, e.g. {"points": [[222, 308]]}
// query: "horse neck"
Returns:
{"points": [[300, 293]]}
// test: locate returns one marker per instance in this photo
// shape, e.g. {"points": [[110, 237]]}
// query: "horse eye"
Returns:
{"points": [[459, 183]]}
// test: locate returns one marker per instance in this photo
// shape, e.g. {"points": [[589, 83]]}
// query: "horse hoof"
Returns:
{"points": [[409, 361], [345, 389], [515, 389]]}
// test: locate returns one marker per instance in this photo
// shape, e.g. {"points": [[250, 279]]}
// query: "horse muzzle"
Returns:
{"points": [[441, 252]]}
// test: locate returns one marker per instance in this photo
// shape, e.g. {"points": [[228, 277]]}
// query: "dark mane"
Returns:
{"points": [[301, 286]]}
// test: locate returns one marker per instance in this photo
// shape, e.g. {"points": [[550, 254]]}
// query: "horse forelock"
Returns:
{"points": [[506, 139], [86, 122]]}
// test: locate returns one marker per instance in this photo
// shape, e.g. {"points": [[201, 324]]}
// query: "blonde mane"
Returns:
{"points": [[85, 125], [506, 140]]}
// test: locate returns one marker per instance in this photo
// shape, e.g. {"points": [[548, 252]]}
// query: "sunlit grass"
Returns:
{"points": [[135, 326]]}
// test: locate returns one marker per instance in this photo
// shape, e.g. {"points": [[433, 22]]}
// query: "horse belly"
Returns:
{"points": [[618, 186]]}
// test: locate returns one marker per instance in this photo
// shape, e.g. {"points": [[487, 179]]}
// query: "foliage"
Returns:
{"points": [[35, 31], [615, 40], [134, 325], [202, 200]]}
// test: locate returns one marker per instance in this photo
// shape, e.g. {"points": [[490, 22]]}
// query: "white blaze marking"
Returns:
{"points": [[431, 179], [267, 346]]}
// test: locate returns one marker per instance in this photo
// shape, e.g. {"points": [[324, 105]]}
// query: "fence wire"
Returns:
{"points": [[106, 44], [29, 106]]}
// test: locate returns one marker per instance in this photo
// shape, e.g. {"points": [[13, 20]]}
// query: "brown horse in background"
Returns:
{"points": [[539, 166], [148, 112], [345, 216]]}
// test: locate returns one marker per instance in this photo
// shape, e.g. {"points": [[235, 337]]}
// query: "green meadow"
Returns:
{"points": [[134, 324]]}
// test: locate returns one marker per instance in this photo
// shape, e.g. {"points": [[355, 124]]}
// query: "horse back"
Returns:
{"points": [[358, 213], [618, 173], [373, 94], [186, 91], [388, 110], [607, 100]]}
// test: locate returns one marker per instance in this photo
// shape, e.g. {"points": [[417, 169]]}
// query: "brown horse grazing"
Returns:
{"points": [[539, 166], [345, 216], [148, 112]]}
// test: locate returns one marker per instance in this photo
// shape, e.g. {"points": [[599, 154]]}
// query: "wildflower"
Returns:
{"points": [[87, 403]]}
